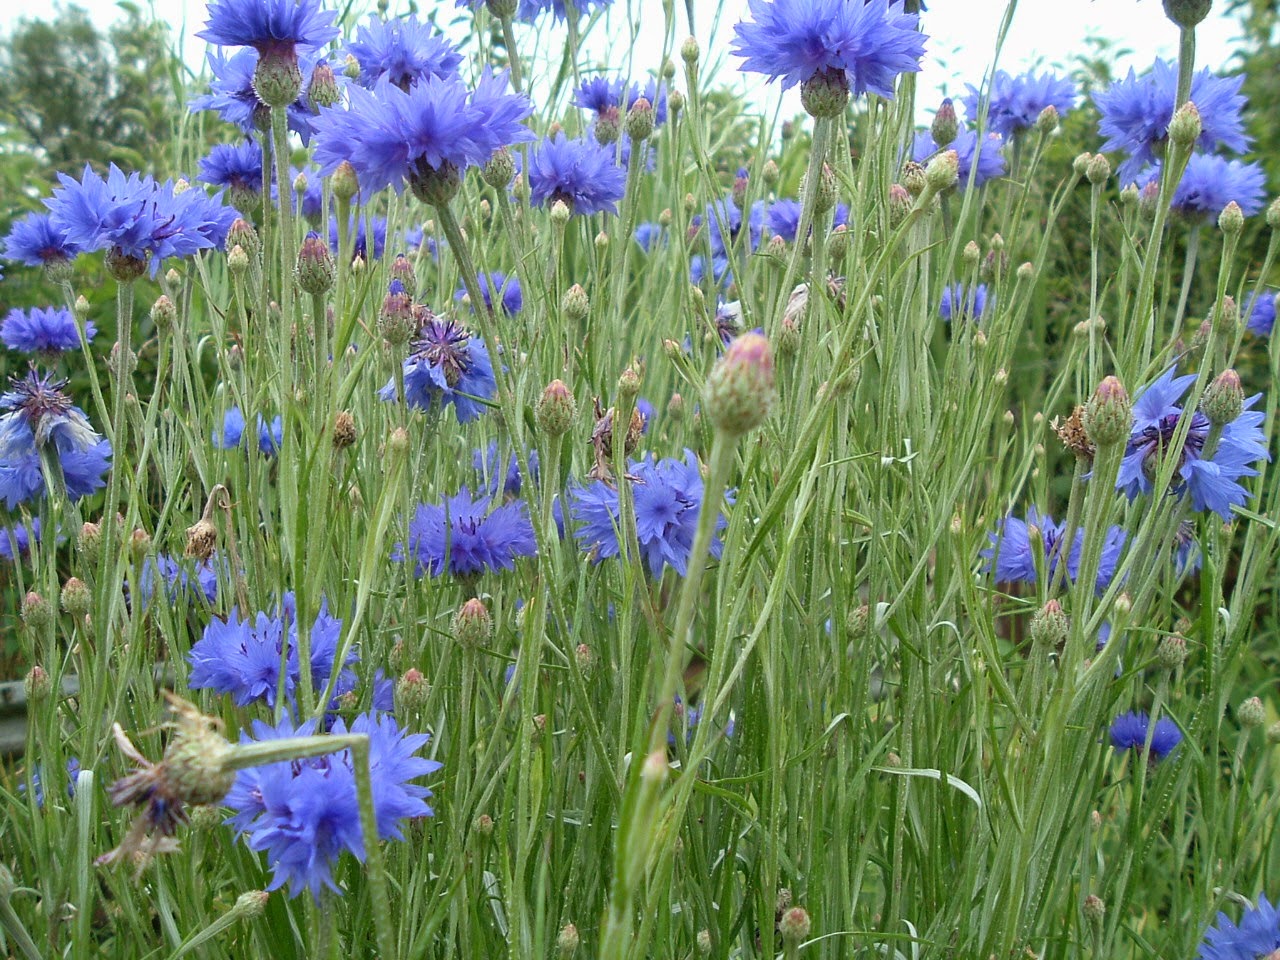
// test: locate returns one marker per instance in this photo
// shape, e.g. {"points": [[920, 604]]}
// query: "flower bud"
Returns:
{"points": [[345, 182], [89, 538], [139, 543], [838, 243], [585, 658], [794, 925], [398, 442], [675, 103], [500, 170], [1094, 909], [81, 308], [396, 320], [36, 612], [37, 685], [1273, 733], [1098, 170], [913, 178], [277, 79], [704, 941], [1108, 415], [315, 271], [575, 303], [1251, 713], [163, 313], [1081, 164], [770, 173], [1223, 399], [483, 825], [971, 254], [740, 389], [825, 94], [1185, 127], [1231, 220], [828, 189], [1187, 13], [1172, 651], [1273, 214], [1049, 626], [556, 410], [640, 121], [323, 91], [411, 693], [402, 271], [601, 241], [250, 905], [945, 126], [942, 172], [472, 626], [567, 941], [689, 51], [1047, 121], [900, 204], [237, 260]]}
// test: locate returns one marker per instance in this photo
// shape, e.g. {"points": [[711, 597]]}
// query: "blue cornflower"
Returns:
{"points": [[650, 235], [238, 168], [1017, 102], [865, 44], [242, 657], [1210, 182], [1211, 483], [1135, 114], [16, 538], [987, 156], [492, 477], [448, 365], [403, 50], [232, 96], [136, 218], [601, 96], [963, 303], [667, 495], [360, 236], [1257, 936], [269, 26], [530, 9], [35, 241], [581, 173], [37, 784], [783, 217], [462, 535], [270, 435], [498, 287], [176, 580], [1013, 558], [303, 814], [39, 415], [427, 135], [721, 275], [43, 330], [1261, 311], [1129, 732]]}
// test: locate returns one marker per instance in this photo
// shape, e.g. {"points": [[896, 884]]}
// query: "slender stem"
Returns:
{"points": [[513, 56], [817, 156], [1186, 64]]}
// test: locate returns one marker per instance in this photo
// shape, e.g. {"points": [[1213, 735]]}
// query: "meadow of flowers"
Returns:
{"points": [[488, 525]]}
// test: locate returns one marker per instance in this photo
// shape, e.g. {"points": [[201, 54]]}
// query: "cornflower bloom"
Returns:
{"points": [[41, 417], [859, 47], [37, 242], [1135, 114], [667, 495], [16, 538], [581, 173], [448, 365], [1015, 103], [987, 156], [1257, 936], [650, 235], [463, 536], [238, 168], [403, 50], [243, 657], [493, 479], [1210, 182], [529, 10], [1129, 732], [783, 217], [1261, 310], [44, 330], [1013, 558], [270, 435], [304, 813], [360, 231], [136, 219], [1209, 480], [232, 96], [963, 303], [163, 571], [278, 30], [500, 289], [601, 96], [427, 135]]}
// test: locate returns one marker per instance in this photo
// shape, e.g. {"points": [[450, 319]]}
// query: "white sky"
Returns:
{"points": [[961, 46]]}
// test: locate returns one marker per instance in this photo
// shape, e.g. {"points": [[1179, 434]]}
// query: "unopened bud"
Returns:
{"points": [[704, 941], [575, 303], [411, 692], [37, 685], [1187, 13], [740, 389], [825, 94], [500, 170], [689, 51], [89, 538], [396, 321], [1185, 126], [1049, 626], [942, 172], [640, 120], [900, 204], [1108, 415], [402, 271], [1081, 164], [36, 612], [1223, 399], [1047, 121], [250, 905], [237, 260], [556, 410], [1172, 651], [1252, 713], [971, 254], [315, 271], [1094, 909], [1273, 214], [139, 543], [675, 407], [472, 626], [1098, 170], [794, 925], [483, 825], [163, 313], [1231, 220], [345, 182], [945, 126]]}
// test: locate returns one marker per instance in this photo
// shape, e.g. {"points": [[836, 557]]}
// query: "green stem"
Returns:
{"points": [[1186, 64], [817, 156], [513, 57]]}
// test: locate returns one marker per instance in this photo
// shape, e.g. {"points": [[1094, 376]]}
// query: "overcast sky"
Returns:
{"points": [[961, 45]]}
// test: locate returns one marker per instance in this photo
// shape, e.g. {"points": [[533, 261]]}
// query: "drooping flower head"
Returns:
{"points": [[427, 135], [988, 157], [40, 415], [35, 241], [242, 657], [45, 330], [581, 173], [404, 50], [1210, 481], [1129, 732], [1257, 936], [136, 219], [1261, 311], [232, 96], [463, 536], [446, 364], [1210, 182], [1019, 547], [667, 495], [960, 302], [1017, 102], [303, 814], [1135, 114], [859, 46], [498, 289]]}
